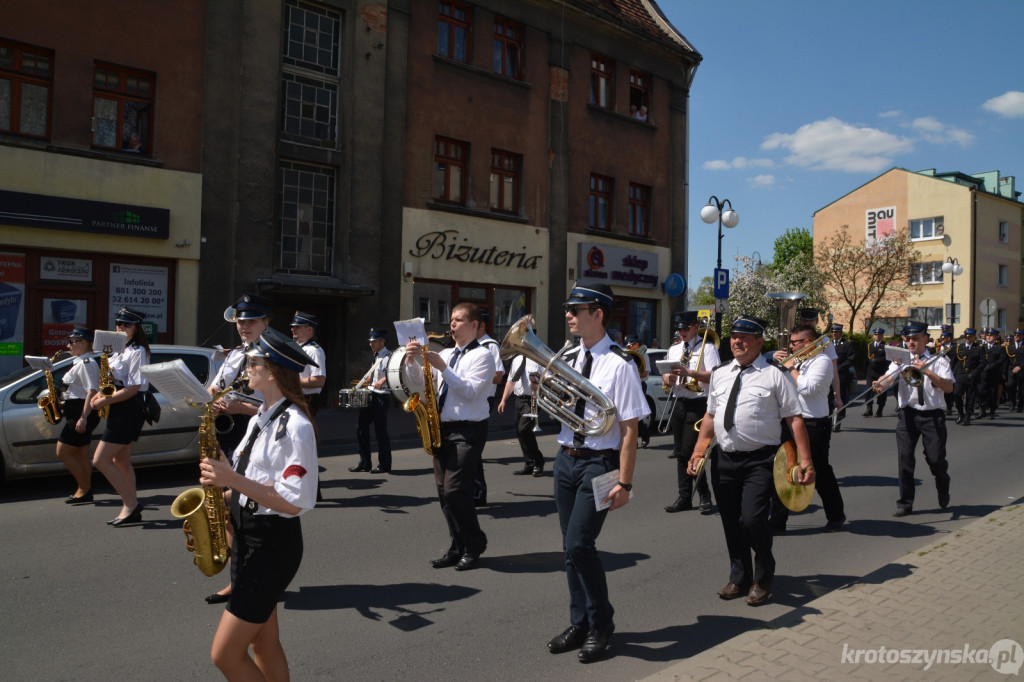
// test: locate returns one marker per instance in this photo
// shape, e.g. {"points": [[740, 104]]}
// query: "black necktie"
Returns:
{"points": [[920, 392], [452, 362], [581, 404], [730, 404]]}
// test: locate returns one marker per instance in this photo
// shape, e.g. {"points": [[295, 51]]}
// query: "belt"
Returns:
{"points": [[914, 409], [587, 453], [817, 422], [462, 423]]}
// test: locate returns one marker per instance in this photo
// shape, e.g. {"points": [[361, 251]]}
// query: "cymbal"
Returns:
{"points": [[794, 496]]}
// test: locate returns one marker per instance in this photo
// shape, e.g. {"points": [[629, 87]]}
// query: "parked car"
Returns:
{"points": [[657, 399], [28, 443]]}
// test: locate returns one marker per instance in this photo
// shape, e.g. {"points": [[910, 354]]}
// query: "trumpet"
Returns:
{"points": [[560, 386], [690, 384]]}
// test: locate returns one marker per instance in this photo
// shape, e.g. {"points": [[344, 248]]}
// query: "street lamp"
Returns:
{"points": [[953, 268], [730, 218]]}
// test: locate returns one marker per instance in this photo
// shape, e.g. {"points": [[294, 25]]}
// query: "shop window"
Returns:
{"points": [[508, 48], [122, 109], [600, 202], [639, 95], [453, 30], [505, 170], [602, 81], [449, 181], [26, 79], [926, 228], [307, 209], [639, 210]]}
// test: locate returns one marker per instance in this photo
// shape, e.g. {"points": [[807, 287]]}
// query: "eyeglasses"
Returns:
{"points": [[801, 341], [75, 340], [258, 362], [123, 324], [574, 309]]}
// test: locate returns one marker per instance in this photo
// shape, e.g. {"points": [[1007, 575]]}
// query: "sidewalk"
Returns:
{"points": [[964, 591]]}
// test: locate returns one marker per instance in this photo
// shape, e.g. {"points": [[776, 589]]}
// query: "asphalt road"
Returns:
{"points": [[83, 601]]}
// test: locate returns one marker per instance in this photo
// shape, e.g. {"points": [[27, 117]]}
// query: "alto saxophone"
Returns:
{"points": [[50, 403], [203, 509], [107, 387], [424, 409]]}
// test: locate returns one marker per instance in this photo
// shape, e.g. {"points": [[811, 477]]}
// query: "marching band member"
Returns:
{"points": [[485, 340], [80, 384], [632, 344], [273, 482], [877, 364], [524, 371], [313, 377], [251, 315], [113, 456], [970, 363], [376, 412], [463, 378], [922, 416], [689, 406], [1015, 380], [580, 459]]}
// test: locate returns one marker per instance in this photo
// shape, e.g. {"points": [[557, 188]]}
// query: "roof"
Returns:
{"points": [[640, 16]]}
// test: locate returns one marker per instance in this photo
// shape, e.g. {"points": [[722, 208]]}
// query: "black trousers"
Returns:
{"points": [[928, 426], [964, 395], [744, 487], [845, 383], [1015, 389], [819, 433], [456, 464], [876, 398], [377, 414], [684, 437], [524, 432]]}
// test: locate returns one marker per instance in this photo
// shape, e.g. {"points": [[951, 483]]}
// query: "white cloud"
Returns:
{"points": [[738, 162], [717, 164], [890, 114], [1009, 104], [832, 144], [936, 132], [763, 180]]}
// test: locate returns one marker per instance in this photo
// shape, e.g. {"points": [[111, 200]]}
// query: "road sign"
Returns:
{"points": [[675, 285], [721, 283], [721, 305]]}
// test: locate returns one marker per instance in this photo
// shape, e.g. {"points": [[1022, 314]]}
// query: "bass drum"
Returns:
{"points": [[401, 384]]}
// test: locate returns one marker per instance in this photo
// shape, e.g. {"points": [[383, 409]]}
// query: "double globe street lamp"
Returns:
{"points": [[730, 218], [952, 268]]}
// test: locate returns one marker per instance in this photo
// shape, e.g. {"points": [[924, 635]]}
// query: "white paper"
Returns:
{"points": [[176, 383], [109, 342], [409, 330], [603, 485], [666, 366], [894, 352], [39, 362]]}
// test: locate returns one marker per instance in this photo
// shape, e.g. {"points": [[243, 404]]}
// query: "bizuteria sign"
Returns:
{"points": [[618, 266], [447, 245]]}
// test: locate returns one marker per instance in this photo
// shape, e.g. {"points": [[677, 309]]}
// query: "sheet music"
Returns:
{"points": [[39, 362], [407, 330], [603, 485], [666, 366], [175, 382], [893, 352], [115, 340]]}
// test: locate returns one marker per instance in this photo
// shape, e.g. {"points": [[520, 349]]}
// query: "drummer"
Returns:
{"points": [[376, 412]]}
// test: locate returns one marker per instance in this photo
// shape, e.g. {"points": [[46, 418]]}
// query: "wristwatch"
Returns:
{"points": [[628, 487]]}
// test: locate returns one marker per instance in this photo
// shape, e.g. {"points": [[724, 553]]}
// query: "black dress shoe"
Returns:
{"points": [[959, 419], [595, 645], [218, 598], [571, 639], [943, 500], [705, 506], [380, 470], [537, 471], [525, 471], [134, 517], [681, 504], [868, 413], [837, 428], [449, 559], [359, 468], [467, 562], [902, 511], [87, 497]]}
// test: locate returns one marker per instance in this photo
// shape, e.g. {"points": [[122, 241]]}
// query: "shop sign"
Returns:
{"points": [[12, 310], [618, 266], [79, 215], [446, 245], [66, 269], [139, 287]]}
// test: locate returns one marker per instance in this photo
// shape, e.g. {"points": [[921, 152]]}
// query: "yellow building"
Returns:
{"points": [[973, 221]]}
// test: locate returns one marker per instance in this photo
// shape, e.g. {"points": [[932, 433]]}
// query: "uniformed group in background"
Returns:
{"points": [[733, 415]]}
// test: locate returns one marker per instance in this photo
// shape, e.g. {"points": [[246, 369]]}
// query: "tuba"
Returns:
{"points": [[203, 509], [560, 386], [50, 403], [424, 409]]}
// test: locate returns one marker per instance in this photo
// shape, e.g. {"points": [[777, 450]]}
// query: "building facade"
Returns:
{"points": [[973, 221]]}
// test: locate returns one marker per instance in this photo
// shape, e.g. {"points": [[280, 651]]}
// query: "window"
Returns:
{"points": [[1001, 319], [953, 318], [639, 210], [926, 273], [926, 228], [25, 80], [1004, 275], [602, 80], [1004, 231], [930, 316], [639, 95], [450, 170], [505, 169], [306, 207], [122, 108], [453, 31], [508, 48], [309, 82], [600, 202]]}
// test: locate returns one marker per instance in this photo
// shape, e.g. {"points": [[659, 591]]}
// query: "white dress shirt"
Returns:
{"points": [[934, 398], [813, 385], [696, 363], [767, 396]]}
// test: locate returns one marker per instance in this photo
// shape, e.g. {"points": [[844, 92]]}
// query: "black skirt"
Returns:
{"points": [[265, 556], [124, 424], [72, 411]]}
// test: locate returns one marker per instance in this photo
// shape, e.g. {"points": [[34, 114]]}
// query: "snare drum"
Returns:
{"points": [[360, 397]]}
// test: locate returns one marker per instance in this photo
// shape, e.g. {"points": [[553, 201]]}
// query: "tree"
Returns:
{"points": [[793, 244], [704, 295], [873, 277]]}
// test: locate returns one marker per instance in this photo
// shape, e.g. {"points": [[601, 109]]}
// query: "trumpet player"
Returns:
{"points": [[921, 414], [695, 361]]}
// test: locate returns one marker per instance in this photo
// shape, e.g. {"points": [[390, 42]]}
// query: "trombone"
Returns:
{"points": [[690, 384]]}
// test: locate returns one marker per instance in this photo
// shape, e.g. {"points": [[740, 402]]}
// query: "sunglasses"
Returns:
{"points": [[574, 309], [257, 362], [75, 340]]}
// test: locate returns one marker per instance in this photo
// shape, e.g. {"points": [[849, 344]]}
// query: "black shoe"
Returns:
{"points": [[868, 413], [966, 421], [538, 471], [672, 456], [449, 559], [837, 428], [87, 497], [959, 419], [571, 639], [902, 511], [525, 471], [681, 504], [595, 645], [834, 526], [480, 502], [644, 442], [218, 598], [134, 517], [705, 505], [943, 500], [381, 470], [878, 413], [359, 468], [467, 562], [777, 530]]}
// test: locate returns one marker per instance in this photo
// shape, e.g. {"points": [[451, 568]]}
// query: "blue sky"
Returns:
{"points": [[799, 102]]}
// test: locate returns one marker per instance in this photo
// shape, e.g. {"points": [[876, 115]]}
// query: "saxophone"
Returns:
{"points": [[50, 403], [106, 380], [424, 409], [203, 509]]}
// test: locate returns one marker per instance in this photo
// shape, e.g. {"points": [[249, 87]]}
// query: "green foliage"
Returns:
{"points": [[703, 295], [794, 244]]}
